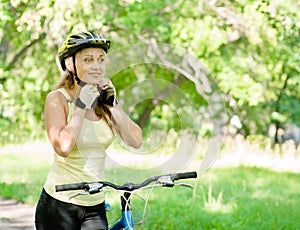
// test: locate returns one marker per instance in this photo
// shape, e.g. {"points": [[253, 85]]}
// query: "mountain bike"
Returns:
{"points": [[126, 221]]}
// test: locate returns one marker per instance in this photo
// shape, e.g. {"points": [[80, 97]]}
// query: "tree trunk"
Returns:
{"points": [[150, 106], [277, 109]]}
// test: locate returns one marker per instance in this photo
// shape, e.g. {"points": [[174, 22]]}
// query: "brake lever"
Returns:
{"points": [[77, 194], [92, 189], [185, 185]]}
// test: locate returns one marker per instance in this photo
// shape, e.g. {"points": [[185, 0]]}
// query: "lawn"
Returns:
{"points": [[222, 198], [22, 177], [231, 198]]}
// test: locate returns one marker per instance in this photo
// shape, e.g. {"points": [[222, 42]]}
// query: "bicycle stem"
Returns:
{"points": [[125, 201]]}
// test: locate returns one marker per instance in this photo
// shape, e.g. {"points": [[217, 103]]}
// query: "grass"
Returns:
{"points": [[22, 177], [231, 198], [239, 197]]}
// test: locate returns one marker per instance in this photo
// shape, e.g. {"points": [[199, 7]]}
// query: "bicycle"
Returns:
{"points": [[126, 221]]}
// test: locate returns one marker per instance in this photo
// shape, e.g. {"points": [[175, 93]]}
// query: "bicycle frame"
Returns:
{"points": [[126, 221]]}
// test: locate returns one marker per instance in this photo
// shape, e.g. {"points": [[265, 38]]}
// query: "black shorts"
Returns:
{"points": [[54, 214]]}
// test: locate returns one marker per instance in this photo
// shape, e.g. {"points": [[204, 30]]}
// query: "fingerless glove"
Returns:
{"points": [[88, 96]]}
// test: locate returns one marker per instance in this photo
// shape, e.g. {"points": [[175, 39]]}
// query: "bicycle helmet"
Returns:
{"points": [[77, 41]]}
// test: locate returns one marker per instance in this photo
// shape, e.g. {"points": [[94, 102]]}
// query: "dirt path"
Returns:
{"points": [[16, 216]]}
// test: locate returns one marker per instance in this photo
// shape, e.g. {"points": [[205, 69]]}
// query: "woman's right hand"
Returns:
{"points": [[88, 96]]}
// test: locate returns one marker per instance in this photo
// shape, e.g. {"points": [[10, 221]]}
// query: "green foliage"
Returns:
{"points": [[251, 49]]}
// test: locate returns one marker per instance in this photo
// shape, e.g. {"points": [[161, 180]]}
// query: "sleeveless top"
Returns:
{"points": [[85, 163]]}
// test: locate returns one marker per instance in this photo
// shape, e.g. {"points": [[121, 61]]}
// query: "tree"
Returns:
{"points": [[249, 47]]}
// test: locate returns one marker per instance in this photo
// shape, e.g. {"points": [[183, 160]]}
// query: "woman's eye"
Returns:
{"points": [[101, 60], [87, 60]]}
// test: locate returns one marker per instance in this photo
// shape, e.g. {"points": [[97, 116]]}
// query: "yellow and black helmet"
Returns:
{"points": [[78, 41]]}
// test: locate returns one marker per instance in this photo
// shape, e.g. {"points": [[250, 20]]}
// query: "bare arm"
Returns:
{"points": [[129, 131], [62, 135]]}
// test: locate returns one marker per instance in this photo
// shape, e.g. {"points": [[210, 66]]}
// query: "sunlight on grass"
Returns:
{"points": [[233, 194], [246, 152], [215, 203], [22, 176], [174, 153]]}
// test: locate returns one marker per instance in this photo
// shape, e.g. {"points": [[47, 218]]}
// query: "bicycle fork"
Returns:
{"points": [[126, 221]]}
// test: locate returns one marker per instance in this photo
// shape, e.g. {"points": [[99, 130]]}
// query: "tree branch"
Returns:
{"points": [[168, 9], [24, 49], [4, 46], [228, 15]]}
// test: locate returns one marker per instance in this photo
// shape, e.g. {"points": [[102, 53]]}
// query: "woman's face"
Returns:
{"points": [[90, 65]]}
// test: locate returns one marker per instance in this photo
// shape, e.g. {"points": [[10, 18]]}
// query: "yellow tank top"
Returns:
{"points": [[85, 163]]}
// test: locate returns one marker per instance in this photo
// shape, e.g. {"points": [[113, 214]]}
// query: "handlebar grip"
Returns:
{"points": [[185, 175], [67, 187]]}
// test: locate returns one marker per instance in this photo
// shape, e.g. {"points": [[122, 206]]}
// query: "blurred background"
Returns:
{"points": [[249, 51]]}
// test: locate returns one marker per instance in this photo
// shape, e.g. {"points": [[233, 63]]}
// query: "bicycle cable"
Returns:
{"points": [[145, 214], [146, 205]]}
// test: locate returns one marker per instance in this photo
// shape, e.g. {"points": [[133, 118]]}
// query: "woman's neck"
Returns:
{"points": [[73, 92]]}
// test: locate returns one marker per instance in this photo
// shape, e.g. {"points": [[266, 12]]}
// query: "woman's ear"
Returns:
{"points": [[69, 64]]}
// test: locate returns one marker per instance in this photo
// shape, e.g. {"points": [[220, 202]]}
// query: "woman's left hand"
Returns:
{"points": [[107, 93]]}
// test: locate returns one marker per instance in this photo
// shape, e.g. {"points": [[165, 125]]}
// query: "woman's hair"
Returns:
{"points": [[67, 81]]}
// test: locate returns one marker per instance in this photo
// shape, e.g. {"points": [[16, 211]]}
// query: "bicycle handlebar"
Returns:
{"points": [[94, 187], [185, 175]]}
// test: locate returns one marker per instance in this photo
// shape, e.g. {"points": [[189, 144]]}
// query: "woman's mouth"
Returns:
{"points": [[96, 74]]}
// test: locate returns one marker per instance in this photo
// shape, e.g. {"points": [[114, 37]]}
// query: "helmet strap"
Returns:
{"points": [[75, 72]]}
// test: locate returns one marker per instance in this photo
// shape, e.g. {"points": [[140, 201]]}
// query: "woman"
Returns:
{"points": [[82, 116]]}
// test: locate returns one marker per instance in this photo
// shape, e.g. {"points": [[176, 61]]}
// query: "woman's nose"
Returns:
{"points": [[97, 65]]}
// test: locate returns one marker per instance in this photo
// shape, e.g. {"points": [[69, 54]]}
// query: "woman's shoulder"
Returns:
{"points": [[56, 95], [56, 102]]}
